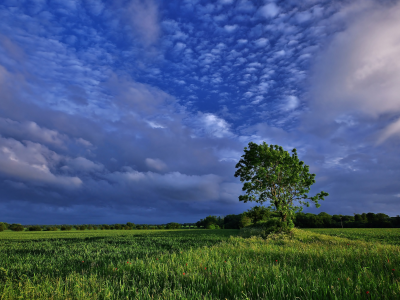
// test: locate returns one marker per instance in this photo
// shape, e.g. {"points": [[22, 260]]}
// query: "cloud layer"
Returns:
{"points": [[139, 110]]}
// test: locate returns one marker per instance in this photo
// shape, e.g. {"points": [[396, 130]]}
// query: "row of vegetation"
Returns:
{"points": [[187, 264], [127, 226], [254, 216]]}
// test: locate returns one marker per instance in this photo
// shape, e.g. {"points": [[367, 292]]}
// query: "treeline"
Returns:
{"points": [[254, 215], [127, 226], [259, 214]]}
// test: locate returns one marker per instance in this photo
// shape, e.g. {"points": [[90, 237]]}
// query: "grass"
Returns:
{"points": [[381, 235], [200, 264]]}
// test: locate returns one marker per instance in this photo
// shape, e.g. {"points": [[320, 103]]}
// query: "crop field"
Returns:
{"points": [[194, 264], [389, 236]]}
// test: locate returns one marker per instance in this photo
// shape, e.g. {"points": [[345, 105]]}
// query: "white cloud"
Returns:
{"points": [[156, 164], [291, 102], [145, 20], [225, 2], [269, 10], [32, 163], [84, 142], [261, 42], [392, 130], [31, 131], [82, 164], [179, 47], [360, 71], [211, 125], [230, 28]]}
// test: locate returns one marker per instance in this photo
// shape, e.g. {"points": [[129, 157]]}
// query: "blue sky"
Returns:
{"points": [[117, 111]]}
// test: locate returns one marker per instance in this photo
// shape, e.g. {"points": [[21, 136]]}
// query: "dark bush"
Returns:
{"points": [[35, 228], [173, 225], [17, 227], [2, 226], [66, 227]]}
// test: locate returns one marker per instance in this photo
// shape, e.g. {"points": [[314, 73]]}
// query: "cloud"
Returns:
{"points": [[156, 164], [230, 28], [359, 73], [226, 2], [291, 102], [32, 163], [390, 130], [269, 10], [32, 131], [261, 42], [144, 17], [211, 125], [82, 164]]}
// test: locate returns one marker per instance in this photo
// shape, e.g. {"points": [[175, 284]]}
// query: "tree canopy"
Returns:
{"points": [[270, 174]]}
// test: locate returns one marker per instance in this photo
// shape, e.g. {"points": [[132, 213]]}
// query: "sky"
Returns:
{"points": [[138, 110]]}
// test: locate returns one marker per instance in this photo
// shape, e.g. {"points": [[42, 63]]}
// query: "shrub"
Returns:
{"points": [[210, 226], [2, 226], [173, 225], [66, 227], [17, 227], [35, 228], [90, 227]]}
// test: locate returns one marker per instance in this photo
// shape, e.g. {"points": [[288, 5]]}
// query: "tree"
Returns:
{"points": [[270, 173], [2, 226], [244, 221], [16, 227], [258, 213], [173, 225]]}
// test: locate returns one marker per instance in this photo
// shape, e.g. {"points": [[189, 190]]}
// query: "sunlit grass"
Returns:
{"points": [[381, 235], [201, 264]]}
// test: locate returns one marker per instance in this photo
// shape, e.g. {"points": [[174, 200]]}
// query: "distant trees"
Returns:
{"points": [[173, 225], [258, 213], [379, 220], [66, 227], [211, 220], [131, 225], [16, 227], [35, 228], [3, 226]]}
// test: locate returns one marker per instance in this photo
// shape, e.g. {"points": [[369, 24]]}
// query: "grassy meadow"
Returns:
{"points": [[198, 264], [381, 235]]}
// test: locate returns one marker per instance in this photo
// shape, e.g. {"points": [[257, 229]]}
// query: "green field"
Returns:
{"points": [[389, 236], [195, 264]]}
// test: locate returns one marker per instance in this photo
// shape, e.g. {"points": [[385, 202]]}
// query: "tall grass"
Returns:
{"points": [[201, 264], [381, 235]]}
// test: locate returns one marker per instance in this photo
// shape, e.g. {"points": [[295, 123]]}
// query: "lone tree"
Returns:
{"points": [[270, 173]]}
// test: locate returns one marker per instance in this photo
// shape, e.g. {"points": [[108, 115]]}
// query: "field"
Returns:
{"points": [[389, 236], [195, 264]]}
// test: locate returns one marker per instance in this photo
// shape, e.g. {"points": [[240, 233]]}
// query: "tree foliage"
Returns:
{"points": [[258, 213], [270, 174], [173, 225]]}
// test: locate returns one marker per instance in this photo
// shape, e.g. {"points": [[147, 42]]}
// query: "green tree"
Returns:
{"points": [[270, 173], [17, 227], [244, 221], [2, 226], [232, 221], [173, 225], [131, 225], [258, 213]]}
